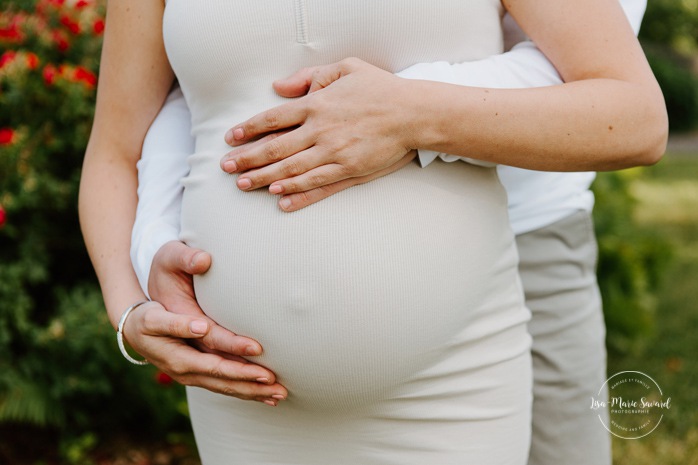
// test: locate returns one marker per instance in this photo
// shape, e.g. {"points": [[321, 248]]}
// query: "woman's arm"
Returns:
{"points": [[135, 79], [523, 66], [609, 114]]}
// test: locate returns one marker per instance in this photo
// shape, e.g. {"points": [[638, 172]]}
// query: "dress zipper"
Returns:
{"points": [[301, 22]]}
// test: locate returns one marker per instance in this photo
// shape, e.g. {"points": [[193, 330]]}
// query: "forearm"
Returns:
{"points": [[135, 77], [596, 124], [107, 208], [524, 66], [609, 114]]}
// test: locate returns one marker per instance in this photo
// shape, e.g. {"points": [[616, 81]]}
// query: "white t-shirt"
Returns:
{"points": [[536, 198]]}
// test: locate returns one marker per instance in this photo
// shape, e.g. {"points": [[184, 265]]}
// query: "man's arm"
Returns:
{"points": [[162, 165]]}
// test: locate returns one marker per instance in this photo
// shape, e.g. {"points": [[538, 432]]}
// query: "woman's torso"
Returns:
{"points": [[227, 53], [352, 297]]}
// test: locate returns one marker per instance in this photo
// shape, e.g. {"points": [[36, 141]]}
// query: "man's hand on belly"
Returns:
{"points": [[218, 364]]}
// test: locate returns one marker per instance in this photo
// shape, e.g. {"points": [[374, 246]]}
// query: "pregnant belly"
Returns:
{"points": [[352, 296]]}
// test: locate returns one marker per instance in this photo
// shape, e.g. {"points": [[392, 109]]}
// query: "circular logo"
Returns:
{"points": [[636, 404]]}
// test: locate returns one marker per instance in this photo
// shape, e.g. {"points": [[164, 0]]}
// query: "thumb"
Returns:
{"points": [[160, 322], [295, 85], [323, 76], [178, 257], [199, 262]]}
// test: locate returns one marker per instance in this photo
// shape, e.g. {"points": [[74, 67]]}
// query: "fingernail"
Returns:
{"points": [[238, 133], [194, 258], [244, 183], [279, 397], [270, 402], [230, 166], [285, 203], [198, 327], [276, 189], [263, 380], [251, 350]]}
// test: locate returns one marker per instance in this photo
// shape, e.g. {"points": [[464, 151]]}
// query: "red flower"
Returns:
{"points": [[50, 72], [11, 32], [82, 4], [7, 136], [32, 61], [98, 26], [7, 58], [3, 216], [163, 378], [85, 75], [72, 26], [61, 41]]}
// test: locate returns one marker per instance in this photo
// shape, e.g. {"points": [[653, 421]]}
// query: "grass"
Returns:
{"points": [[668, 203]]}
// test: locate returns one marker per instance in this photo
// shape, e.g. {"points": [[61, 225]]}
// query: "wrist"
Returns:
{"points": [[116, 302], [418, 103], [120, 333], [423, 82]]}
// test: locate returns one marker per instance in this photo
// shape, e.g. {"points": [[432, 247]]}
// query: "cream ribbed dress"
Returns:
{"points": [[391, 311]]}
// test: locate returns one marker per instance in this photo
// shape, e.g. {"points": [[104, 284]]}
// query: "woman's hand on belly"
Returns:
{"points": [[343, 128], [186, 344]]}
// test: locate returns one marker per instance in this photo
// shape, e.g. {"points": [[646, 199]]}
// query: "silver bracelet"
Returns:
{"points": [[120, 334]]}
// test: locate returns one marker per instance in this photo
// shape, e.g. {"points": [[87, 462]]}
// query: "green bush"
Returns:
{"points": [[632, 262], [59, 364], [679, 85], [672, 23], [669, 35]]}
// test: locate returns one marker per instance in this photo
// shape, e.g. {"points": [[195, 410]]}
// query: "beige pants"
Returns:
{"points": [[557, 267]]}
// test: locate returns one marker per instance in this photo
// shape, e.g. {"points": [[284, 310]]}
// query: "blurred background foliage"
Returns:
{"points": [[669, 35], [62, 378], [60, 370], [631, 266]]}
